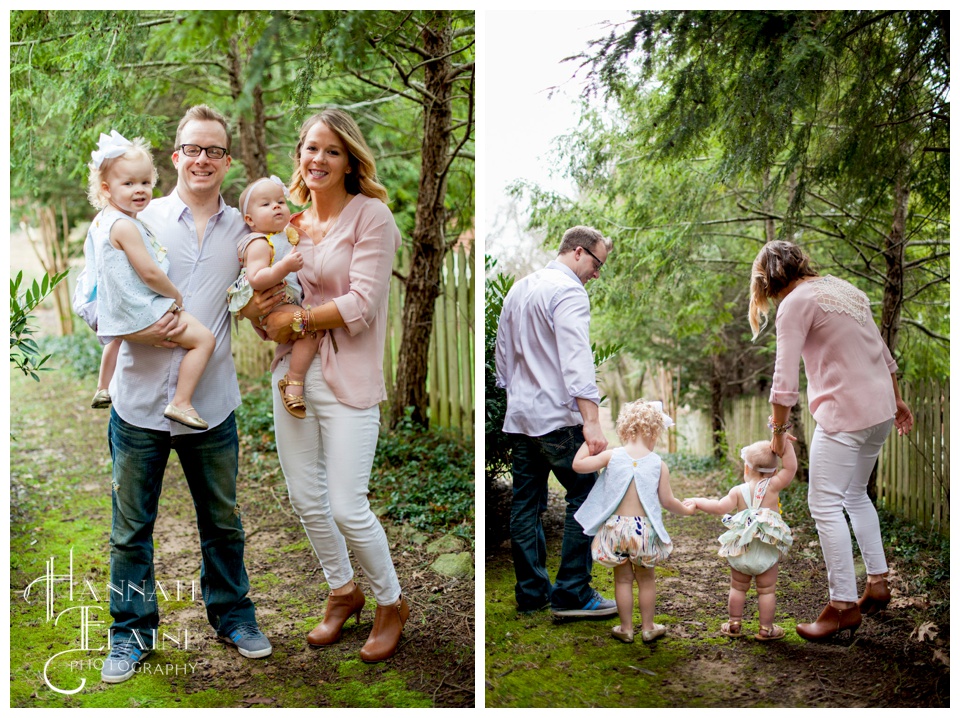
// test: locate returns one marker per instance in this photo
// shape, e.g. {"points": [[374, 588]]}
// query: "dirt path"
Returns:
{"points": [[60, 474], [886, 666]]}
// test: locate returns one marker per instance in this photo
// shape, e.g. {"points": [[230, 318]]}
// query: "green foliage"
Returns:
{"points": [[79, 353], [425, 478], [24, 351], [255, 416]]}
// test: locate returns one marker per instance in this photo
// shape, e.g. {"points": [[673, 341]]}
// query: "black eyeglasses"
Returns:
{"points": [[214, 153], [599, 263]]}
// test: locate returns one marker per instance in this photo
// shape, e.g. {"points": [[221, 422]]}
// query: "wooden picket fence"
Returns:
{"points": [[913, 473], [450, 374]]}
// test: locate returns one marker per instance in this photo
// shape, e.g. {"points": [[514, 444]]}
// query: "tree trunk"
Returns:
{"points": [[893, 254], [422, 285], [252, 131], [716, 408], [892, 286]]}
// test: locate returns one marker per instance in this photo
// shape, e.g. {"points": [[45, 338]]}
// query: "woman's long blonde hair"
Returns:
{"points": [[777, 264], [362, 178]]}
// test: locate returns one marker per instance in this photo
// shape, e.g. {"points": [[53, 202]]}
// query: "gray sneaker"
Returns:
{"points": [[249, 640], [596, 607], [122, 662]]}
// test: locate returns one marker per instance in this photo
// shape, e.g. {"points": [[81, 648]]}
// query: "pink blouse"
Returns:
{"points": [[352, 266], [828, 323]]}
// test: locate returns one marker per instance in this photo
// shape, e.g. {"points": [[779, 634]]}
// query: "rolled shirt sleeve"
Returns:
{"points": [[371, 267], [793, 324], [571, 317]]}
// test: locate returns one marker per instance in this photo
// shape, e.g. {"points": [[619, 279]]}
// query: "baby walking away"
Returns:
{"points": [[623, 512], [133, 290], [756, 537]]}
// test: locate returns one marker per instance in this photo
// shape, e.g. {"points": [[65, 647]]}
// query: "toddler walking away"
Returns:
{"points": [[132, 288], [623, 512], [269, 256], [757, 537]]}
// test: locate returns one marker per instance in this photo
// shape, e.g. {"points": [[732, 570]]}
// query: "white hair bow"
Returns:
{"points": [[272, 178], [759, 470], [668, 422], [110, 146]]}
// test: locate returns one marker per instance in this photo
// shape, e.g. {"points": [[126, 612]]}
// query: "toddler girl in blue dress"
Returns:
{"points": [[756, 537], [131, 287], [623, 512]]}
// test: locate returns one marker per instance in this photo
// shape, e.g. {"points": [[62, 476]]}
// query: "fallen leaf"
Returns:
{"points": [[927, 631], [942, 657]]}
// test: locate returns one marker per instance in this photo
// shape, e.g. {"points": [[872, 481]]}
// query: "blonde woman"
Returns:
{"points": [[854, 399], [348, 239]]}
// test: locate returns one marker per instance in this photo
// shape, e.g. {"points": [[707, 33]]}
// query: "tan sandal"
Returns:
{"points": [[294, 405], [621, 635], [770, 633], [732, 628]]}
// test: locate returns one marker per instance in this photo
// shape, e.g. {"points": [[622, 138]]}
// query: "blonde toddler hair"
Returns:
{"points": [[138, 147], [640, 418], [759, 455]]}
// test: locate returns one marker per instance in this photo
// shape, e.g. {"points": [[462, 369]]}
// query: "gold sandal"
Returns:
{"points": [[294, 405], [732, 627], [773, 632]]}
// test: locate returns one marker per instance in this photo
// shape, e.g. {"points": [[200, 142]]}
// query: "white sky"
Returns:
{"points": [[522, 54]]}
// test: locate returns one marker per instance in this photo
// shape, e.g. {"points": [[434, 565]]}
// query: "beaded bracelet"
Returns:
{"points": [[778, 429]]}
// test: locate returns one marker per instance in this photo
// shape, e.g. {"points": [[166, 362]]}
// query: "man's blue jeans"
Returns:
{"points": [[534, 457], [210, 462]]}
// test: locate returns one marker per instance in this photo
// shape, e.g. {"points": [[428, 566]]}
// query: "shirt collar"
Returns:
{"points": [[180, 206], [560, 266]]}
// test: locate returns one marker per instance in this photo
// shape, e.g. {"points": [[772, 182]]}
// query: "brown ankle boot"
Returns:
{"points": [[876, 596], [387, 627], [831, 622], [339, 609]]}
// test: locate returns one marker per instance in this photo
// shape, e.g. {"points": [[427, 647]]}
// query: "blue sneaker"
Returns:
{"points": [[249, 640], [122, 662], [596, 607]]}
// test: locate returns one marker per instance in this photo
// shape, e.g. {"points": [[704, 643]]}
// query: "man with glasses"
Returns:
{"points": [[200, 233], [545, 363]]}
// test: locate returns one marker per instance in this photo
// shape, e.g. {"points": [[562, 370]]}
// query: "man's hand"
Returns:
{"points": [[593, 435], [160, 332]]}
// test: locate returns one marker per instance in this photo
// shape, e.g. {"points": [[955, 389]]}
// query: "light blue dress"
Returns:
{"points": [[124, 303]]}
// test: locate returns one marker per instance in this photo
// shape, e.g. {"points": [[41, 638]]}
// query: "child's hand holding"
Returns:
{"points": [[692, 505]]}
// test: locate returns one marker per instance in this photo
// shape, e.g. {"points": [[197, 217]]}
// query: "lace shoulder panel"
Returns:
{"points": [[836, 295]]}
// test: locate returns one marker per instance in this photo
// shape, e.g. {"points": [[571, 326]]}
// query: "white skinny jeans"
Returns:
{"points": [[840, 466], [326, 459]]}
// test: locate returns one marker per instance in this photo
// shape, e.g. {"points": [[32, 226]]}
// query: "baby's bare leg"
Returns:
{"points": [[767, 594], [199, 343], [304, 350], [646, 595], [739, 583], [623, 595], [108, 363]]}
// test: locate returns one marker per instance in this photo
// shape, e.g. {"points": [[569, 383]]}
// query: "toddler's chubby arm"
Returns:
{"points": [[788, 470], [125, 236], [583, 463], [259, 272], [719, 507], [667, 499]]}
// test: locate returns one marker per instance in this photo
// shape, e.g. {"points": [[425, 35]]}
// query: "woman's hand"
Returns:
{"points": [[903, 419], [778, 444], [277, 324]]}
